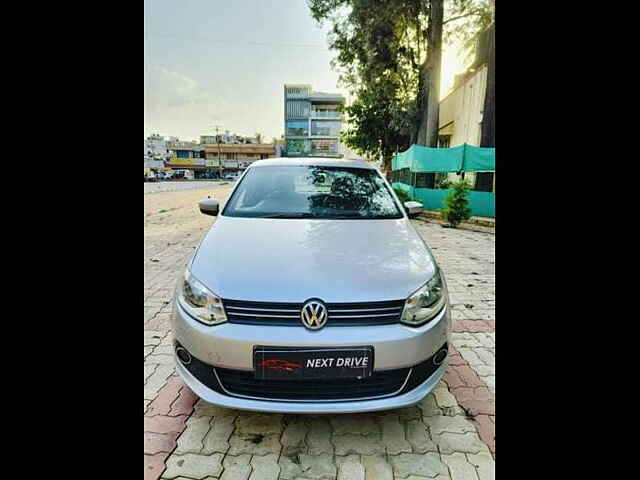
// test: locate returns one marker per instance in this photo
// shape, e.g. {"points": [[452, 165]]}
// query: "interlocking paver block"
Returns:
{"points": [[377, 468], [429, 406], [183, 405], [193, 466], [191, 440], [358, 444], [426, 465], [153, 466], [318, 466], [255, 444], [418, 437], [161, 404], [156, 381], [446, 401], [449, 443], [485, 465], [393, 435], [471, 356], [457, 424], [259, 424], [290, 467], [160, 360], [159, 442], [236, 468], [294, 435], [217, 439], [486, 430], [351, 470], [318, 437], [361, 424], [265, 468], [459, 468], [202, 408], [164, 424], [486, 355]]}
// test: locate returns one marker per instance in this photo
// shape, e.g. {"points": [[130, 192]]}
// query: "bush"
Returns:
{"points": [[456, 206], [402, 195], [444, 184]]}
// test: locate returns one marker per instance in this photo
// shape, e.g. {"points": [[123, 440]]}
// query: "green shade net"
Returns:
{"points": [[464, 157]]}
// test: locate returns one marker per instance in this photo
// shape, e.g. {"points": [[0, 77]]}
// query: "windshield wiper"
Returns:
{"points": [[290, 215]]}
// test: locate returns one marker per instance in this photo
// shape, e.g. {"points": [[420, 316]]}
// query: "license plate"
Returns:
{"points": [[302, 363]]}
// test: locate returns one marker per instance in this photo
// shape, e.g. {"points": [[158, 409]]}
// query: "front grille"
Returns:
{"points": [[378, 384], [288, 314]]}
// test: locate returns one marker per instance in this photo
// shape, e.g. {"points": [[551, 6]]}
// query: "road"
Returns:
{"points": [[449, 435]]}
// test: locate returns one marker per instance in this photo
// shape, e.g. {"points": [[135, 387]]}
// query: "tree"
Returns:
{"points": [[259, 137], [388, 56]]}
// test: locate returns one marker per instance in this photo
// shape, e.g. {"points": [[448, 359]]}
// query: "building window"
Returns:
{"points": [[484, 182], [425, 180], [404, 176], [298, 147], [327, 129], [444, 141], [298, 128], [324, 146]]}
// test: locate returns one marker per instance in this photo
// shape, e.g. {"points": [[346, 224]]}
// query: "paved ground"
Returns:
{"points": [[180, 185], [449, 435]]}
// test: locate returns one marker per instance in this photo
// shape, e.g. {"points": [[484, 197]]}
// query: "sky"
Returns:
{"points": [[221, 62]]}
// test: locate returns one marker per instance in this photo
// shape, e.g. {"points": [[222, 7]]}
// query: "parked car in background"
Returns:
{"points": [[149, 175], [348, 311], [183, 173]]}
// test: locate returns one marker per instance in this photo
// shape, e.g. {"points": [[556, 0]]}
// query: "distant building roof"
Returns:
{"points": [[240, 148], [316, 161]]}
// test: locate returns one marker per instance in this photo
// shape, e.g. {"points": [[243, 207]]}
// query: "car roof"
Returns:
{"points": [[314, 161]]}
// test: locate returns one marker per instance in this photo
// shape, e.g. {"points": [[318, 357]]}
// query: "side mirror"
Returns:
{"points": [[209, 206], [413, 208]]}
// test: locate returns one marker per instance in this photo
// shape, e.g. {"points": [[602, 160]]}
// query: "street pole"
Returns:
{"points": [[219, 155]]}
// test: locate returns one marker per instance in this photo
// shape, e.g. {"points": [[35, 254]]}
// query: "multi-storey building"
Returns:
{"points": [[235, 156], [312, 122], [226, 138], [461, 112], [155, 147]]}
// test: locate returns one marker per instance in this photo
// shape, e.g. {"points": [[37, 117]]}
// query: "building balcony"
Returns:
{"points": [[325, 114]]}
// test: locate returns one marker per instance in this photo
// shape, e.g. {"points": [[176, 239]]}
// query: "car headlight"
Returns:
{"points": [[426, 302], [200, 302]]}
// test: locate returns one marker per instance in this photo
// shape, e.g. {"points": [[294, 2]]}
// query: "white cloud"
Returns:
{"points": [[165, 88]]}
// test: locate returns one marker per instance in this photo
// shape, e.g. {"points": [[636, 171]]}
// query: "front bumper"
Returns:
{"points": [[230, 346], [353, 406]]}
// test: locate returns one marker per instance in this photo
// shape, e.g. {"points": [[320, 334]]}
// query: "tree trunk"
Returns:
{"points": [[488, 127], [423, 94], [434, 49], [429, 97]]}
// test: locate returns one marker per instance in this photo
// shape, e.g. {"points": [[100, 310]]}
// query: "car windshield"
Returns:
{"points": [[312, 192]]}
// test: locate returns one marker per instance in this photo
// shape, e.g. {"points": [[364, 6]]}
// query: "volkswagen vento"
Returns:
{"points": [[311, 293]]}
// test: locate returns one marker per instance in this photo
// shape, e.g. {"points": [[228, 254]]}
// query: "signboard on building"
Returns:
{"points": [[182, 161]]}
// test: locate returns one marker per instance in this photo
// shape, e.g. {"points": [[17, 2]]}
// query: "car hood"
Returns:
{"points": [[292, 260]]}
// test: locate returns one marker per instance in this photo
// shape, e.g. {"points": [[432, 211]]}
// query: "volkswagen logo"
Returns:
{"points": [[314, 314]]}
